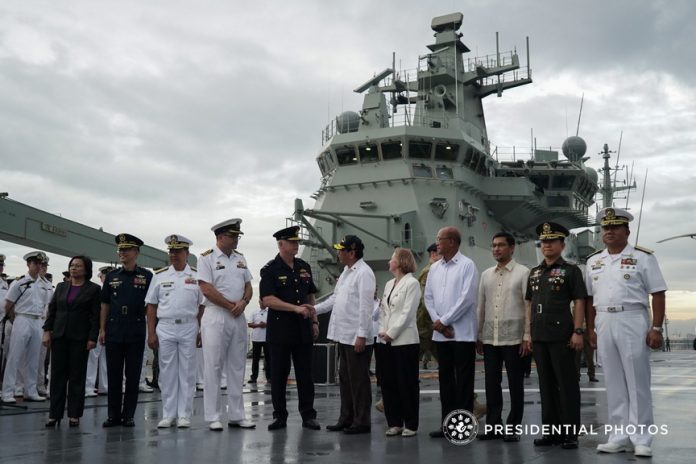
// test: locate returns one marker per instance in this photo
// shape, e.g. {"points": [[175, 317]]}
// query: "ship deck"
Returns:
{"points": [[24, 439]]}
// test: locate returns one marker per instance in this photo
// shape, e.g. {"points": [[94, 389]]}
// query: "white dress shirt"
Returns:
{"points": [[626, 278], [351, 303], [35, 295], [228, 274], [398, 311], [451, 296], [501, 307], [176, 293], [258, 334]]}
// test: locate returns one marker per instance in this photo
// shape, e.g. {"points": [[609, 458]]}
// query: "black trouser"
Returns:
{"points": [[119, 356], [558, 385], [527, 365], [68, 375], [256, 348], [493, 359], [399, 383], [301, 354], [355, 386], [456, 362]]}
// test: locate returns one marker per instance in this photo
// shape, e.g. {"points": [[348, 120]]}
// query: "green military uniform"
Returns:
{"points": [[551, 289], [423, 321]]}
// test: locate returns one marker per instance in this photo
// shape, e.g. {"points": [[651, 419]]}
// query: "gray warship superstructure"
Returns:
{"points": [[417, 157]]}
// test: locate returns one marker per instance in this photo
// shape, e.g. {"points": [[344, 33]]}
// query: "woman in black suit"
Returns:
{"points": [[71, 330]]}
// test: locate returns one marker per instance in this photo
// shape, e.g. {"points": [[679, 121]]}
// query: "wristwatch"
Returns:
{"points": [[658, 329], [579, 331]]}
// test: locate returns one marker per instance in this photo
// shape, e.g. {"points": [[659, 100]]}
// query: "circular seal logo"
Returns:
{"points": [[460, 427]]}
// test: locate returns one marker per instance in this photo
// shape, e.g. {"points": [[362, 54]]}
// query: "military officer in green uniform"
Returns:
{"points": [[556, 332], [286, 285], [122, 329]]}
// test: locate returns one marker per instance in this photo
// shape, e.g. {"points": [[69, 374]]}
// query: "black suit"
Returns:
{"points": [[71, 326]]}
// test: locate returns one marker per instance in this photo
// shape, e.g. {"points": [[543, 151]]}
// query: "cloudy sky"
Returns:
{"points": [[166, 117]]}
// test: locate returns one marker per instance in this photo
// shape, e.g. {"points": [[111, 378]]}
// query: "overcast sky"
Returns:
{"points": [[165, 117]]}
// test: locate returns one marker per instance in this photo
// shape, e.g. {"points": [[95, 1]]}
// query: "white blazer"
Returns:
{"points": [[398, 316]]}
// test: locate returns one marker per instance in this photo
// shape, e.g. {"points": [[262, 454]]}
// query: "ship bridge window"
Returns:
{"points": [[562, 182], [322, 166], [542, 182], [391, 150], [346, 156], [420, 150], [421, 170], [443, 172], [560, 201], [329, 160], [368, 153], [446, 152]]}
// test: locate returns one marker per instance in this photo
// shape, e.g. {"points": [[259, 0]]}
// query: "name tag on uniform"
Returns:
{"points": [[219, 266], [167, 284]]}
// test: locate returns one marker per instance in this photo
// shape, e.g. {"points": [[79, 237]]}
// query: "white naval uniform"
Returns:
{"points": [[620, 286], [224, 336], [27, 333], [42, 385], [177, 296], [96, 361]]}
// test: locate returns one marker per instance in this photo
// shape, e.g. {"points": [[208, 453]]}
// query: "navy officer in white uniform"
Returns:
{"points": [[225, 280], [620, 280], [24, 306], [174, 307]]}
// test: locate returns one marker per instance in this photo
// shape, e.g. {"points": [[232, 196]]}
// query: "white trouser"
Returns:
{"points": [[25, 344], [224, 347], [626, 366], [41, 373], [96, 360], [177, 375], [199, 365]]}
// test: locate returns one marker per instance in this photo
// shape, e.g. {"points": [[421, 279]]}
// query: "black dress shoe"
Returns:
{"points": [[356, 429], [594, 379], [336, 427], [489, 436], [437, 434], [511, 437], [545, 440], [129, 422], [110, 422], [277, 425], [570, 443], [251, 381], [311, 424]]}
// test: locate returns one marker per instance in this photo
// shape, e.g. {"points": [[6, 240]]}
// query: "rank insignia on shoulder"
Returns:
{"points": [[162, 269], [207, 252], [193, 269], [644, 250], [595, 253]]}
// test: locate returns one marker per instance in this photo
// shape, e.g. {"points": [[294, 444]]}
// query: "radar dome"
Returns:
{"points": [[592, 174], [348, 121], [574, 148]]}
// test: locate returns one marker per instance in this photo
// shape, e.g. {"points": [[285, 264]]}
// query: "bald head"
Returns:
{"points": [[448, 241]]}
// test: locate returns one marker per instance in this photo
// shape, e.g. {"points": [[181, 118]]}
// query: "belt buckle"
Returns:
{"points": [[614, 309], [124, 310], [178, 321], [539, 309]]}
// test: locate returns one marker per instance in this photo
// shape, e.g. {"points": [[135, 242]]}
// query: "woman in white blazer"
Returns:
{"points": [[398, 346]]}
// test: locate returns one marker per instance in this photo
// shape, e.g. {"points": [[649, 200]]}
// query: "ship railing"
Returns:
{"points": [[447, 59], [512, 76], [514, 153]]}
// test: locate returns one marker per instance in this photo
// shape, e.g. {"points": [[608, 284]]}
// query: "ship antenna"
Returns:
{"points": [[618, 155], [577, 131], [640, 213]]}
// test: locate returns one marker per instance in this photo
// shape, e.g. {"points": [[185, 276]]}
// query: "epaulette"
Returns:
{"points": [[162, 269], [207, 252], [235, 251], [592, 254], [644, 250], [193, 269]]}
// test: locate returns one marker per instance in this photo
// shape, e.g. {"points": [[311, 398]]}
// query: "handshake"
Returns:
{"points": [[306, 311]]}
